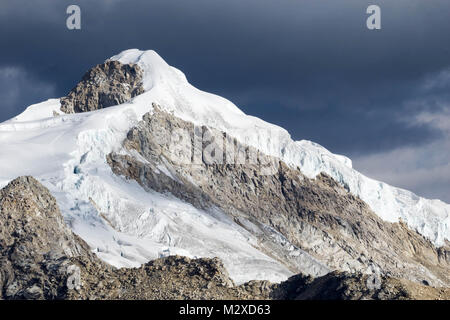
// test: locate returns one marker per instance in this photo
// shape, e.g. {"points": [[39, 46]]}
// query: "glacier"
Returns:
{"points": [[67, 153]]}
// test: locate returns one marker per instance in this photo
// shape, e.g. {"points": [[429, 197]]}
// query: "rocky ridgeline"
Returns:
{"points": [[332, 229], [105, 85], [40, 258]]}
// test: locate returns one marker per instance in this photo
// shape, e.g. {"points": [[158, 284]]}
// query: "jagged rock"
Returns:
{"points": [[105, 85], [36, 246], [444, 253], [356, 286]]}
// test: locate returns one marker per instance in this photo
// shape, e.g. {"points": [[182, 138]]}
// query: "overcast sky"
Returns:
{"points": [[380, 97]]}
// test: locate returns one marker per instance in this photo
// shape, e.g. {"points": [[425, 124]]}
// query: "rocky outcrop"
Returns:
{"points": [[328, 226], [355, 286], [105, 85], [36, 247], [40, 258]]}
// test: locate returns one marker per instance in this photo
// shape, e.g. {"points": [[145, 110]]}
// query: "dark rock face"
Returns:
{"points": [[357, 286], [318, 216], [105, 85], [444, 253], [36, 246]]}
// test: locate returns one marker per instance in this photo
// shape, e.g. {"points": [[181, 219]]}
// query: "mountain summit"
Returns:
{"points": [[143, 166]]}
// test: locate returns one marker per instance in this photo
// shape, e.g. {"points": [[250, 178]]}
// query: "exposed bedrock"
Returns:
{"points": [[326, 226], [105, 85]]}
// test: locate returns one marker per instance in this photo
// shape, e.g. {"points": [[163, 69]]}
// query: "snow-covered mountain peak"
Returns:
{"points": [[156, 70], [67, 153], [168, 87]]}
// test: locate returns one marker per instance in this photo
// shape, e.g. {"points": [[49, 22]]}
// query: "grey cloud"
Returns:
{"points": [[424, 168], [19, 89]]}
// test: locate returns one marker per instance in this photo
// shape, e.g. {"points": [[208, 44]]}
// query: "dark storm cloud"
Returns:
{"points": [[310, 66], [14, 81]]}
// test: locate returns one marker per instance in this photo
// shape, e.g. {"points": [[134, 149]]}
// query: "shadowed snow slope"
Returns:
{"points": [[67, 153]]}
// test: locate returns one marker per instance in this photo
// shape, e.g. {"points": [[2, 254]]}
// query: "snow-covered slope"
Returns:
{"points": [[68, 154]]}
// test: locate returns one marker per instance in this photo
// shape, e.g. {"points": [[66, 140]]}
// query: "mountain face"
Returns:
{"points": [[143, 167], [105, 85]]}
